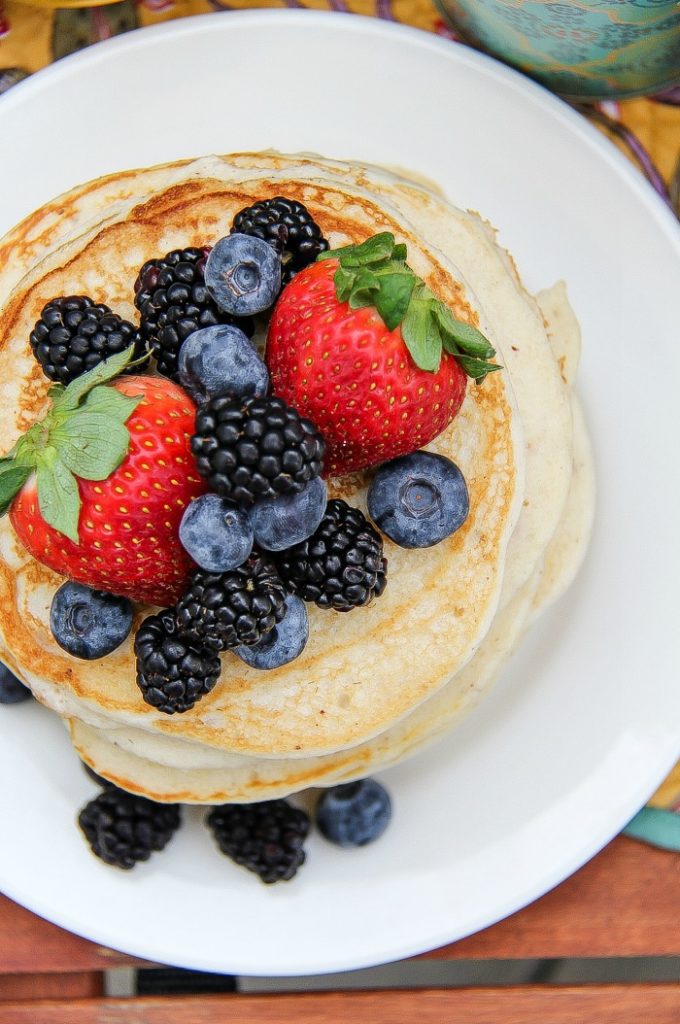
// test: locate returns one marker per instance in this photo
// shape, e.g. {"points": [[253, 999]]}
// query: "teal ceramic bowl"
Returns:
{"points": [[582, 49]]}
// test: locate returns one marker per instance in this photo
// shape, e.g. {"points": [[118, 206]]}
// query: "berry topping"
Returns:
{"points": [[267, 838], [354, 814], [282, 644], [123, 829], [243, 275], [12, 691], [173, 301], [280, 522], [172, 673], [222, 610], [288, 226], [97, 489], [360, 344], [73, 335], [89, 623], [418, 500], [341, 565], [250, 448], [217, 534], [221, 359]]}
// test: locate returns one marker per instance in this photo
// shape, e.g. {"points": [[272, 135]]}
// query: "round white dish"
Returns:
{"points": [[582, 726]]}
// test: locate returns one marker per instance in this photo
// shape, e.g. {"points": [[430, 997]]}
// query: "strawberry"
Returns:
{"points": [[96, 490], [360, 345]]}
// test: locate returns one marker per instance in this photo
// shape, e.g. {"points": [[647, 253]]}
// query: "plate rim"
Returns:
{"points": [[490, 65], [666, 221]]}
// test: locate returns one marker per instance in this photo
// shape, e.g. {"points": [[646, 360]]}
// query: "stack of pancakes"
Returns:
{"points": [[376, 684]]}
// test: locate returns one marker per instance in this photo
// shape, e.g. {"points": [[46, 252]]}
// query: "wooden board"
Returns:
{"points": [[596, 1004], [78, 985], [29, 943]]}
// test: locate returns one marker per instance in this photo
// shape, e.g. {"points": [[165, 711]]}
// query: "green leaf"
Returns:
{"points": [[100, 374], [88, 439], [110, 402], [393, 297], [375, 249], [59, 498], [364, 289], [91, 444], [28, 447], [375, 273], [421, 335], [12, 479], [477, 368], [343, 281], [459, 336]]}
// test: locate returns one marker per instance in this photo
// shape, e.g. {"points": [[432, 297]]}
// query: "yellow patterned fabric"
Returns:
{"points": [[33, 36], [657, 126]]}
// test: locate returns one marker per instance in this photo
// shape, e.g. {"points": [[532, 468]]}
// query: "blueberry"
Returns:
{"points": [[354, 814], [89, 623], [12, 691], [214, 360], [243, 274], [417, 500], [217, 534], [284, 642], [281, 522]]}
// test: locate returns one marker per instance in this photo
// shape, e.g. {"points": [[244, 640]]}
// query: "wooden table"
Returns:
{"points": [[624, 903]]}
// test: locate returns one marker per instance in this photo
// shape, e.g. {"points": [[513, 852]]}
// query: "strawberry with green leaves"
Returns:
{"points": [[360, 345], [96, 490]]}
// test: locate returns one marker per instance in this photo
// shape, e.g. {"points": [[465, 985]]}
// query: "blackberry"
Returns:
{"points": [[74, 334], [266, 838], [288, 227], [228, 609], [171, 672], [173, 302], [12, 690], [341, 566], [250, 448], [122, 828]]}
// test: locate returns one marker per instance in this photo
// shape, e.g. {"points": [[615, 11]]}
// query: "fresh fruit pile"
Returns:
{"points": [[177, 467], [267, 838]]}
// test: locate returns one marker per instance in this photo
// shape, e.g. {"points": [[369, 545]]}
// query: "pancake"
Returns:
{"points": [[341, 690], [375, 685], [567, 549]]}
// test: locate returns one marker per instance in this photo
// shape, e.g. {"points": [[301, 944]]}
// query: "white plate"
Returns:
{"points": [[583, 725]]}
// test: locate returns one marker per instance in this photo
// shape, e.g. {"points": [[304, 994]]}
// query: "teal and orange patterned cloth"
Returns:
{"points": [[581, 48], [647, 130]]}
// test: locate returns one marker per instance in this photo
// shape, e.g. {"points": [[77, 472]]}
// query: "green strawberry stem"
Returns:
{"points": [[375, 273], [83, 434]]}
